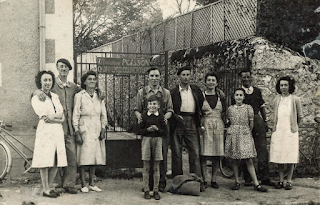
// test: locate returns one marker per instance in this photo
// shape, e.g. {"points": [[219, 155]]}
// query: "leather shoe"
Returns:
{"points": [[50, 195], [162, 186], [147, 195], [156, 195], [268, 183], [214, 185], [71, 190]]}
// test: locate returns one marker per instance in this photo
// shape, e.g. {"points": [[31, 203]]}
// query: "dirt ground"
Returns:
{"points": [[121, 191], [27, 191]]}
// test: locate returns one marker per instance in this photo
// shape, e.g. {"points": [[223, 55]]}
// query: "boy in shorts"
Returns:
{"points": [[152, 129]]}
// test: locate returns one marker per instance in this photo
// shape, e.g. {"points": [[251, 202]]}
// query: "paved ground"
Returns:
{"points": [[120, 191]]}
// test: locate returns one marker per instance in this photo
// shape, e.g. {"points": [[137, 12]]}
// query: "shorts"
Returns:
{"points": [[151, 146]]}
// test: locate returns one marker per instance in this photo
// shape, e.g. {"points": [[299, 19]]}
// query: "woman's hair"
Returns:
{"points": [[40, 74], [233, 101], [291, 82], [85, 76], [210, 74]]}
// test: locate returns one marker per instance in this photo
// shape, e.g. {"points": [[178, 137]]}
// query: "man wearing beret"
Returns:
{"points": [[66, 91], [187, 103]]}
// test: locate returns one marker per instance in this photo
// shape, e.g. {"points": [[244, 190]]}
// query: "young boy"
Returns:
{"points": [[152, 129]]}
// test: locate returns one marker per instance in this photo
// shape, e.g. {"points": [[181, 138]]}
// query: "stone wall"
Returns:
{"points": [[268, 62]]}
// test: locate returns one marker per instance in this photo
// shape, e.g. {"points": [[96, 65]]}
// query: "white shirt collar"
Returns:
{"points": [[182, 89], [156, 113], [249, 90]]}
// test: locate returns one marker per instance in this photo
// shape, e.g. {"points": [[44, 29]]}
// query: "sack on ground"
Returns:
{"points": [[187, 184]]}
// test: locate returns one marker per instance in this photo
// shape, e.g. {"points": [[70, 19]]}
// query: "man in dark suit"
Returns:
{"points": [[187, 102]]}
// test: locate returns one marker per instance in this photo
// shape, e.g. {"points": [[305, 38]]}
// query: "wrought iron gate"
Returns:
{"points": [[120, 76]]}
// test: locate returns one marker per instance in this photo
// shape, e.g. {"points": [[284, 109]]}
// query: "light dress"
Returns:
{"points": [[212, 141], [239, 142], [49, 136], [284, 146], [89, 115]]}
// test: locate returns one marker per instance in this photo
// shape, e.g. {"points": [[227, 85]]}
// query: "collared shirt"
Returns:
{"points": [[161, 92], [62, 84], [150, 113], [254, 99], [248, 90], [187, 100]]}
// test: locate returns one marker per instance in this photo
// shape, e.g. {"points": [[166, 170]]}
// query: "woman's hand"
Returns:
{"points": [[102, 134], [78, 137]]}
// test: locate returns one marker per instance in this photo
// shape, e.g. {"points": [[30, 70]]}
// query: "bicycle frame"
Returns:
{"points": [[4, 136]]}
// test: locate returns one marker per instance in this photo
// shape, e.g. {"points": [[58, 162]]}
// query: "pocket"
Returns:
{"points": [[82, 129]]}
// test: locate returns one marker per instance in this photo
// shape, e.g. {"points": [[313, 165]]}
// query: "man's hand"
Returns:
{"points": [[179, 117], [167, 116], [78, 137], [139, 116], [102, 134], [152, 128], [78, 89], [41, 95]]}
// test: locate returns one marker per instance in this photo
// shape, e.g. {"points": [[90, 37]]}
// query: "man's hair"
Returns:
{"points": [[40, 74], [244, 71], [183, 69], [153, 68], [291, 82], [210, 74], [153, 98]]}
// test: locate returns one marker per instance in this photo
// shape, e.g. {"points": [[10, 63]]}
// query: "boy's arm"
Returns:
{"points": [[142, 129]]}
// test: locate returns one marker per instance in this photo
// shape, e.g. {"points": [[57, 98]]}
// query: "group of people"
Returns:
{"points": [[198, 119], [71, 130]]}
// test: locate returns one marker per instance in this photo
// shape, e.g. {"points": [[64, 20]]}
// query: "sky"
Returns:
{"points": [[169, 7]]}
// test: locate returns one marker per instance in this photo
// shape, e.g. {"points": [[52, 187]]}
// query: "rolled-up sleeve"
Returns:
{"points": [[139, 98], [168, 102]]}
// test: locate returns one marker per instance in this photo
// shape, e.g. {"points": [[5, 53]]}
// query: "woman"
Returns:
{"points": [[239, 141], [284, 146], [89, 121], [212, 139], [49, 149]]}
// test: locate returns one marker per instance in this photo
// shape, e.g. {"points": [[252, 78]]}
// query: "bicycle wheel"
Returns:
{"points": [[226, 167], [5, 160], [316, 154]]}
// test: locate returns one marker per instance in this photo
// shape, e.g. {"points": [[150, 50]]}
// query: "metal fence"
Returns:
{"points": [[222, 20]]}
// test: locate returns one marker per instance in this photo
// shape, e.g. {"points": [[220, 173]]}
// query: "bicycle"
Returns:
{"points": [[5, 153]]}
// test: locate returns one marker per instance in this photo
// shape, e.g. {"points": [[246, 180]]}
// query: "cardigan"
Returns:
{"points": [[296, 112]]}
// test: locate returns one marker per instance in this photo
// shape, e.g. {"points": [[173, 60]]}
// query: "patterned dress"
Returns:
{"points": [[212, 141], [239, 141]]}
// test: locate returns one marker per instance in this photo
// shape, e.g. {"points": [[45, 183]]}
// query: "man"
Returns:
{"points": [[154, 88], [187, 103], [254, 98], [66, 91]]}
